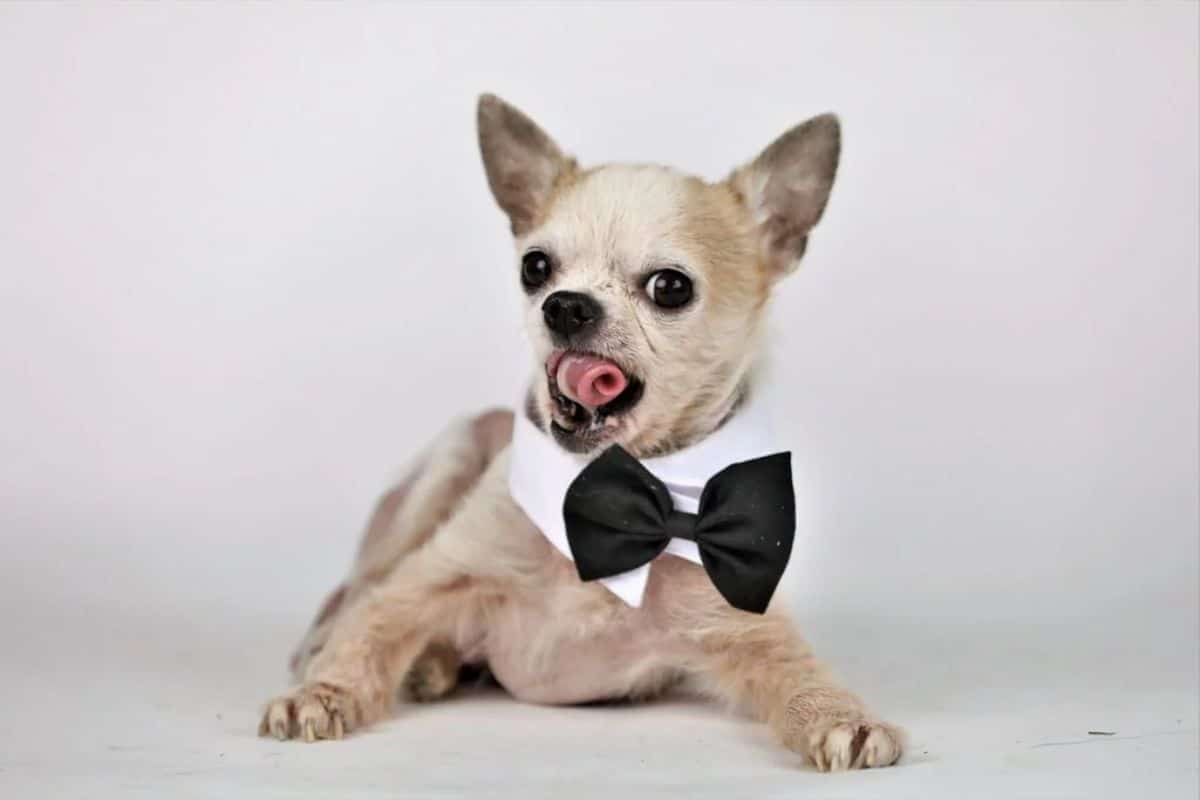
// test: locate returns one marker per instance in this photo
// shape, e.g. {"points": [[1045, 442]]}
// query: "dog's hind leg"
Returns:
{"points": [[404, 519]]}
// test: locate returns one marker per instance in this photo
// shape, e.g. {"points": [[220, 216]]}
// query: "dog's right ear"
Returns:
{"points": [[523, 164]]}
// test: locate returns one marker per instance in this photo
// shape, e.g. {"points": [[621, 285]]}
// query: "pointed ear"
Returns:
{"points": [[787, 186], [523, 164]]}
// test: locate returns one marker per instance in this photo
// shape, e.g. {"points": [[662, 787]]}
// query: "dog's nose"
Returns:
{"points": [[568, 313]]}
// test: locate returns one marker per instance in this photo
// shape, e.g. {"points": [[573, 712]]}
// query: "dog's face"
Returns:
{"points": [[646, 288]]}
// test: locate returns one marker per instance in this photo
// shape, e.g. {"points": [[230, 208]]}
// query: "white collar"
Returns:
{"points": [[540, 472]]}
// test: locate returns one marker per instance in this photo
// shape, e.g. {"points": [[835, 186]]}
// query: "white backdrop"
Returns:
{"points": [[248, 264]]}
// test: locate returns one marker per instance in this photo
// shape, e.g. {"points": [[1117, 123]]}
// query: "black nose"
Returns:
{"points": [[568, 313]]}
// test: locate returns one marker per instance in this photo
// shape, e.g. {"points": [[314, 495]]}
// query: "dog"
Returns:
{"points": [[646, 295]]}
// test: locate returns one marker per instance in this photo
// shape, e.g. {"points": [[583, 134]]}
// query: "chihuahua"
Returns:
{"points": [[646, 294]]}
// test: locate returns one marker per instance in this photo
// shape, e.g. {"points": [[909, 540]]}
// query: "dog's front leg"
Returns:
{"points": [[353, 680], [764, 665], [404, 520]]}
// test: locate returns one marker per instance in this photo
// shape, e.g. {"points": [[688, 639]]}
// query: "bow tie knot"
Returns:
{"points": [[680, 525], [619, 516]]}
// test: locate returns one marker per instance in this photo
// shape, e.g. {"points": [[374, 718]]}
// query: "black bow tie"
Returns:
{"points": [[618, 517]]}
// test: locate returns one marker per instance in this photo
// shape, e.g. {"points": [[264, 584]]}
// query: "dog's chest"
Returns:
{"points": [[557, 640]]}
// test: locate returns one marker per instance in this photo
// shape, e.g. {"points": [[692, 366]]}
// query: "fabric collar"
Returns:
{"points": [[540, 472]]}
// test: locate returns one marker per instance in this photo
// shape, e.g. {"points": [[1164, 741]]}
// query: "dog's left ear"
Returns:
{"points": [[787, 186]]}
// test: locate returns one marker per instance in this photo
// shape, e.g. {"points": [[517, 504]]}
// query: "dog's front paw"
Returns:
{"points": [[311, 712], [833, 745]]}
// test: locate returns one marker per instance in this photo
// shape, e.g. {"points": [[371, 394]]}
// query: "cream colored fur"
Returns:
{"points": [[451, 571]]}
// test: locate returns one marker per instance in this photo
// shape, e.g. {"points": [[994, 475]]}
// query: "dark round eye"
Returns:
{"points": [[669, 288], [535, 269]]}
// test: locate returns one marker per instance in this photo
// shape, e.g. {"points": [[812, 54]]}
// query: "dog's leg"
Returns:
{"points": [[404, 519], [764, 665], [443, 592], [375, 642]]}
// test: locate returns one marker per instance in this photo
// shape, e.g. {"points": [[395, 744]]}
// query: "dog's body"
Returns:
{"points": [[647, 290]]}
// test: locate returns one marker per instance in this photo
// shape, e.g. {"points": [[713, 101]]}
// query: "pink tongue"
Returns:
{"points": [[589, 380]]}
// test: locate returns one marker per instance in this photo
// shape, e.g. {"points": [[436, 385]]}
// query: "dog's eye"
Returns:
{"points": [[669, 288], [535, 269]]}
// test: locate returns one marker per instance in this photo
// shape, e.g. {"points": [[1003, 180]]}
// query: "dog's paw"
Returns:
{"points": [[833, 745], [311, 712], [433, 675]]}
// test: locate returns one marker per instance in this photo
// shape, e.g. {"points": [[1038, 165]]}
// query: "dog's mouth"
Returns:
{"points": [[590, 393]]}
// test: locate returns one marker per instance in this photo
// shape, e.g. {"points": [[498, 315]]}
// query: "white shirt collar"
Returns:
{"points": [[540, 472]]}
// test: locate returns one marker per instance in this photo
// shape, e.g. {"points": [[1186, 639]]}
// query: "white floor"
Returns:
{"points": [[141, 686]]}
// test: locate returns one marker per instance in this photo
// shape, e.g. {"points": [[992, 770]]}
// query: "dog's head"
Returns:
{"points": [[646, 288]]}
